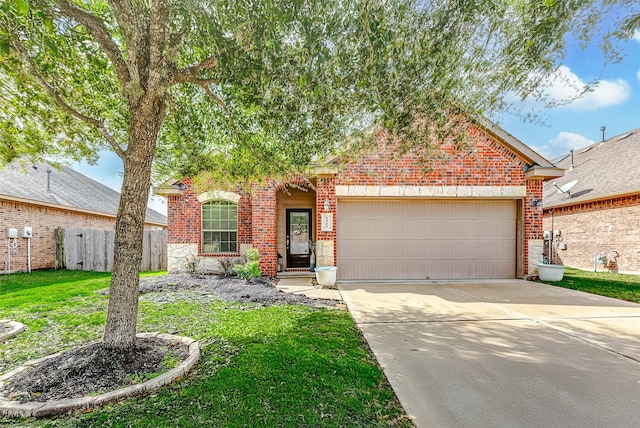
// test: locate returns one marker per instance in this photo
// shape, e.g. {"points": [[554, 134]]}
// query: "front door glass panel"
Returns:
{"points": [[299, 233]]}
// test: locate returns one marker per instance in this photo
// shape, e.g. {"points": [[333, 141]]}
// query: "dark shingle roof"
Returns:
{"points": [[68, 189], [605, 169]]}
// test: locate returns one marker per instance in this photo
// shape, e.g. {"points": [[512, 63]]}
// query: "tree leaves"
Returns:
{"points": [[292, 80]]}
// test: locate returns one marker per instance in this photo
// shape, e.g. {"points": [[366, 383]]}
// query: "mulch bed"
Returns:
{"points": [[94, 369], [259, 291]]}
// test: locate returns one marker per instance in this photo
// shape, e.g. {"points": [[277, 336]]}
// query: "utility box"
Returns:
{"points": [[12, 233], [27, 232]]}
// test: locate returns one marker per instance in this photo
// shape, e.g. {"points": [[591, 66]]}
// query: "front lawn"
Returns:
{"points": [[283, 365], [616, 285]]}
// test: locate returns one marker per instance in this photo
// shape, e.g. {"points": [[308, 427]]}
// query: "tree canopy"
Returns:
{"points": [[249, 82], [248, 89]]}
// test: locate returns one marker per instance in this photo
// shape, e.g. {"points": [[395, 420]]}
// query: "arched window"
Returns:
{"points": [[219, 227]]}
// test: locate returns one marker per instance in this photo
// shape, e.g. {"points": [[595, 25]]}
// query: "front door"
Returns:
{"points": [[299, 233]]}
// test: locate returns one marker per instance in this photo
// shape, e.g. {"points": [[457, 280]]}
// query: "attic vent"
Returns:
{"points": [[587, 149], [627, 135]]}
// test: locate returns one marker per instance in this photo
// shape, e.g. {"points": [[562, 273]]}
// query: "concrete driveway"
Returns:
{"points": [[503, 353]]}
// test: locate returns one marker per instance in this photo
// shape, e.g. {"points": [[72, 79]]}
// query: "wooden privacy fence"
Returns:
{"points": [[90, 249]]}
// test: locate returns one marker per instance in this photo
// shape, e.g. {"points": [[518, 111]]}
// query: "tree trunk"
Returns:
{"points": [[120, 329]]}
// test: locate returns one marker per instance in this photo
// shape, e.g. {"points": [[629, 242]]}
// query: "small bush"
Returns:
{"points": [[192, 263], [227, 265], [251, 269], [252, 255], [248, 270]]}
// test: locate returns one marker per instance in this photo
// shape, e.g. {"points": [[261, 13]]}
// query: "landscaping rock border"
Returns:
{"points": [[14, 409], [16, 328]]}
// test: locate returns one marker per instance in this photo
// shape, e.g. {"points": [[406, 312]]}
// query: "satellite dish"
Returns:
{"points": [[566, 188]]}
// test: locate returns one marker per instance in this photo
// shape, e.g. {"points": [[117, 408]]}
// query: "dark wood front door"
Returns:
{"points": [[299, 233]]}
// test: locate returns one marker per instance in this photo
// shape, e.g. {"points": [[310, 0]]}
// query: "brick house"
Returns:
{"points": [[380, 216], [600, 215], [45, 198]]}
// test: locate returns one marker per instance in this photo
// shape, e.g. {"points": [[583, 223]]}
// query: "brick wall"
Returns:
{"points": [[487, 163], [44, 221], [596, 227], [184, 217], [326, 189], [264, 215], [532, 222]]}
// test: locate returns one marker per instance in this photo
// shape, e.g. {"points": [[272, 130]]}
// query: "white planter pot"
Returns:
{"points": [[550, 272], [326, 275]]}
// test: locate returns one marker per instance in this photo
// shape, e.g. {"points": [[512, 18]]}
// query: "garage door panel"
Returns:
{"points": [[426, 239]]}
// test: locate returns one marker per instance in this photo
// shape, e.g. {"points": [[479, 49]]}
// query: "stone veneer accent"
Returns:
{"points": [[178, 254], [493, 192], [535, 250], [325, 253]]}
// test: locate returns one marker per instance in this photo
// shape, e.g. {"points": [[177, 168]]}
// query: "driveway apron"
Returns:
{"points": [[504, 353]]}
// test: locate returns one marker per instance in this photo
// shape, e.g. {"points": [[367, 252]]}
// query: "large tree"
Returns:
{"points": [[248, 89]]}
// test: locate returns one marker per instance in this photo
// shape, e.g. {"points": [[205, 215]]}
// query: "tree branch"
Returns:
{"points": [[53, 93], [98, 30], [192, 74], [222, 105]]}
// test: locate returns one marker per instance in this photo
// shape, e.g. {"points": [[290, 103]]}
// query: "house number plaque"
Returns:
{"points": [[327, 222]]}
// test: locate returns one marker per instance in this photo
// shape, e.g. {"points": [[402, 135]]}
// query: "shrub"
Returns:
{"points": [[228, 265], [192, 263], [252, 255], [251, 269], [248, 270]]}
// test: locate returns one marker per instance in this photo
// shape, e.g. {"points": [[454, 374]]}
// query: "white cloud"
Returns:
{"points": [[638, 74], [636, 35], [562, 144], [566, 87]]}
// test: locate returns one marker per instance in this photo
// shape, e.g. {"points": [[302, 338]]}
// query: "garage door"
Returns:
{"points": [[418, 239]]}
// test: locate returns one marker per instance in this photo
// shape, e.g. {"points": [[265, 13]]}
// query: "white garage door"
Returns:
{"points": [[418, 239]]}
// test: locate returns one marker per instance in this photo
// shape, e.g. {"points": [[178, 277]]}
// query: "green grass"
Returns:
{"points": [[616, 285], [281, 366]]}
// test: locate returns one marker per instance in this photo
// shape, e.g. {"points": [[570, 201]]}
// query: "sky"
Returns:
{"points": [[613, 103]]}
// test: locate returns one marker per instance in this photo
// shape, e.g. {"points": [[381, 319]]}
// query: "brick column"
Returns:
{"points": [[326, 240], [532, 225], [263, 227]]}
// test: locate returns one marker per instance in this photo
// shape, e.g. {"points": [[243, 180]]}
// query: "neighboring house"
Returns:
{"points": [[44, 198], [600, 215], [378, 217]]}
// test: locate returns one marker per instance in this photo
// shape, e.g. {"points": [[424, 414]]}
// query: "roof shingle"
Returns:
{"points": [[66, 188], [605, 169]]}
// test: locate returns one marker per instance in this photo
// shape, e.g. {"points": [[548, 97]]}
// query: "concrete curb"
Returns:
{"points": [[16, 328], [14, 409]]}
